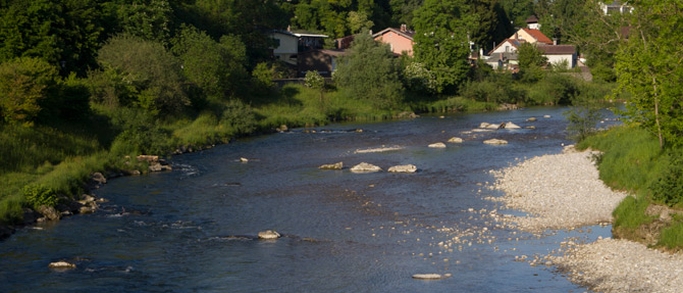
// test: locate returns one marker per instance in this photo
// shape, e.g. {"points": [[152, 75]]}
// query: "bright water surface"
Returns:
{"points": [[344, 232]]}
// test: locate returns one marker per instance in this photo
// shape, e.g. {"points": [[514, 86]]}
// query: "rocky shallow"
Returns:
{"points": [[564, 191]]}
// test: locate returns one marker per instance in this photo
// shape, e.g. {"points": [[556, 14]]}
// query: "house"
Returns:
{"points": [[323, 61], [532, 23], [532, 36], [400, 40], [504, 55], [558, 54], [616, 7], [289, 44]]}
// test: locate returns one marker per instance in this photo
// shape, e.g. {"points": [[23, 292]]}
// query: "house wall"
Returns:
{"points": [[553, 59], [501, 48], [398, 43], [288, 47]]}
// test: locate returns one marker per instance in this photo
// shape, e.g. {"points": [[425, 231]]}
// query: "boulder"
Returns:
{"points": [[365, 168], [455, 140], [531, 119], [486, 125], [244, 160], [282, 128], [495, 141], [269, 234], [148, 158], [438, 145], [61, 265], [546, 116], [410, 168], [49, 212], [98, 178], [335, 166], [511, 125]]}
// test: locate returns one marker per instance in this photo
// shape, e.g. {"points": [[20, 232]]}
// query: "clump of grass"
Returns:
{"points": [[629, 216], [672, 237]]}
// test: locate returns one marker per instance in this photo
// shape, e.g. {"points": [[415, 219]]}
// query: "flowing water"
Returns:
{"points": [[193, 229]]}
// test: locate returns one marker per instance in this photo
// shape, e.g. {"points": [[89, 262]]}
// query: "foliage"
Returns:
{"points": [[218, 69], [629, 160], [668, 187], [370, 72], [630, 215], [531, 60], [38, 195], [672, 237], [151, 72], [67, 33], [648, 68], [24, 82], [150, 20], [441, 41], [419, 79]]}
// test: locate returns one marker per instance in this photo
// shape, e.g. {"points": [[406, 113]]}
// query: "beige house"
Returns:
{"points": [[400, 40]]}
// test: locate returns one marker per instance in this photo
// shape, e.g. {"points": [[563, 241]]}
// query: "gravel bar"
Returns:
{"points": [[564, 191], [561, 191]]}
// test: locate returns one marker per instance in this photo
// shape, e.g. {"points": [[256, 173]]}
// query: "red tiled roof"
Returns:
{"points": [[539, 36], [557, 49]]}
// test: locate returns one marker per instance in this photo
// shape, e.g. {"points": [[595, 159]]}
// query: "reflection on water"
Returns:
{"points": [[194, 229]]}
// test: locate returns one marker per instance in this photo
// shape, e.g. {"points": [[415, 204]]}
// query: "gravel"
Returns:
{"points": [[563, 191]]}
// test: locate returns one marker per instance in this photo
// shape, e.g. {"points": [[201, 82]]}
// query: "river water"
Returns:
{"points": [[193, 229]]}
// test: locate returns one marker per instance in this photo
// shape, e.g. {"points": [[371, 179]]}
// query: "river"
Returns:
{"points": [[192, 229]]}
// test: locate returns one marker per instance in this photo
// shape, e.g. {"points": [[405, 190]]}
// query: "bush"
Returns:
{"points": [[38, 195], [668, 188]]}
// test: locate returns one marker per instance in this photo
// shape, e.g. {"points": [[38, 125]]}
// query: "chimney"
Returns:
{"points": [[289, 28], [404, 28], [554, 41]]}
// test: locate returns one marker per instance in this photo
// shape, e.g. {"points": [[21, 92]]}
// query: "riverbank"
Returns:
{"points": [[563, 191]]}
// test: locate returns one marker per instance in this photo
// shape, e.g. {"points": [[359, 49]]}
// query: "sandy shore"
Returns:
{"points": [[564, 191]]}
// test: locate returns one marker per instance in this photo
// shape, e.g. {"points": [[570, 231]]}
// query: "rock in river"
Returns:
{"points": [[365, 168], [335, 166], [410, 168], [268, 234]]}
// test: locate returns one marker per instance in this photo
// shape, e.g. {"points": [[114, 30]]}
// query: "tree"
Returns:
{"points": [[531, 61], [24, 82], [648, 67], [217, 68], [442, 41], [66, 33], [315, 81], [370, 72], [152, 74]]}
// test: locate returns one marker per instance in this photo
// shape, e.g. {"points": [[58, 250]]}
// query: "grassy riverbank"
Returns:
{"points": [[633, 161]]}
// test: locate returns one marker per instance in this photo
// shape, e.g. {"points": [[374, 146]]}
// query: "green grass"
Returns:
{"points": [[672, 237]]}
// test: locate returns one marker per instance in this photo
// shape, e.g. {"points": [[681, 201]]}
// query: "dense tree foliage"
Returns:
{"points": [[370, 72], [24, 83], [442, 41], [649, 68]]}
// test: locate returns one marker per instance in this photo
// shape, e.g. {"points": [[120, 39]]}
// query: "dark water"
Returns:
{"points": [[343, 232]]}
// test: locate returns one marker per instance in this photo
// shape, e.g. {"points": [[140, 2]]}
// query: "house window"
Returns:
{"points": [[507, 49]]}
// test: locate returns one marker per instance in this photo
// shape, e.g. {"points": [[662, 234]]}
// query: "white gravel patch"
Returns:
{"points": [[564, 191], [610, 265], [561, 191]]}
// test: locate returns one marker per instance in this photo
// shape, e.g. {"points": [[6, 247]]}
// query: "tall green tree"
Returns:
{"points": [[218, 68], [370, 72], [24, 83], [66, 34], [531, 62], [649, 68], [152, 74], [442, 41]]}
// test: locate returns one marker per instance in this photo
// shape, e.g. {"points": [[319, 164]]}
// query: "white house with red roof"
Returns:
{"points": [[505, 54]]}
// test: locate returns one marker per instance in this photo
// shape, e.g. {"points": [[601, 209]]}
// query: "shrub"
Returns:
{"points": [[38, 195], [668, 188]]}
